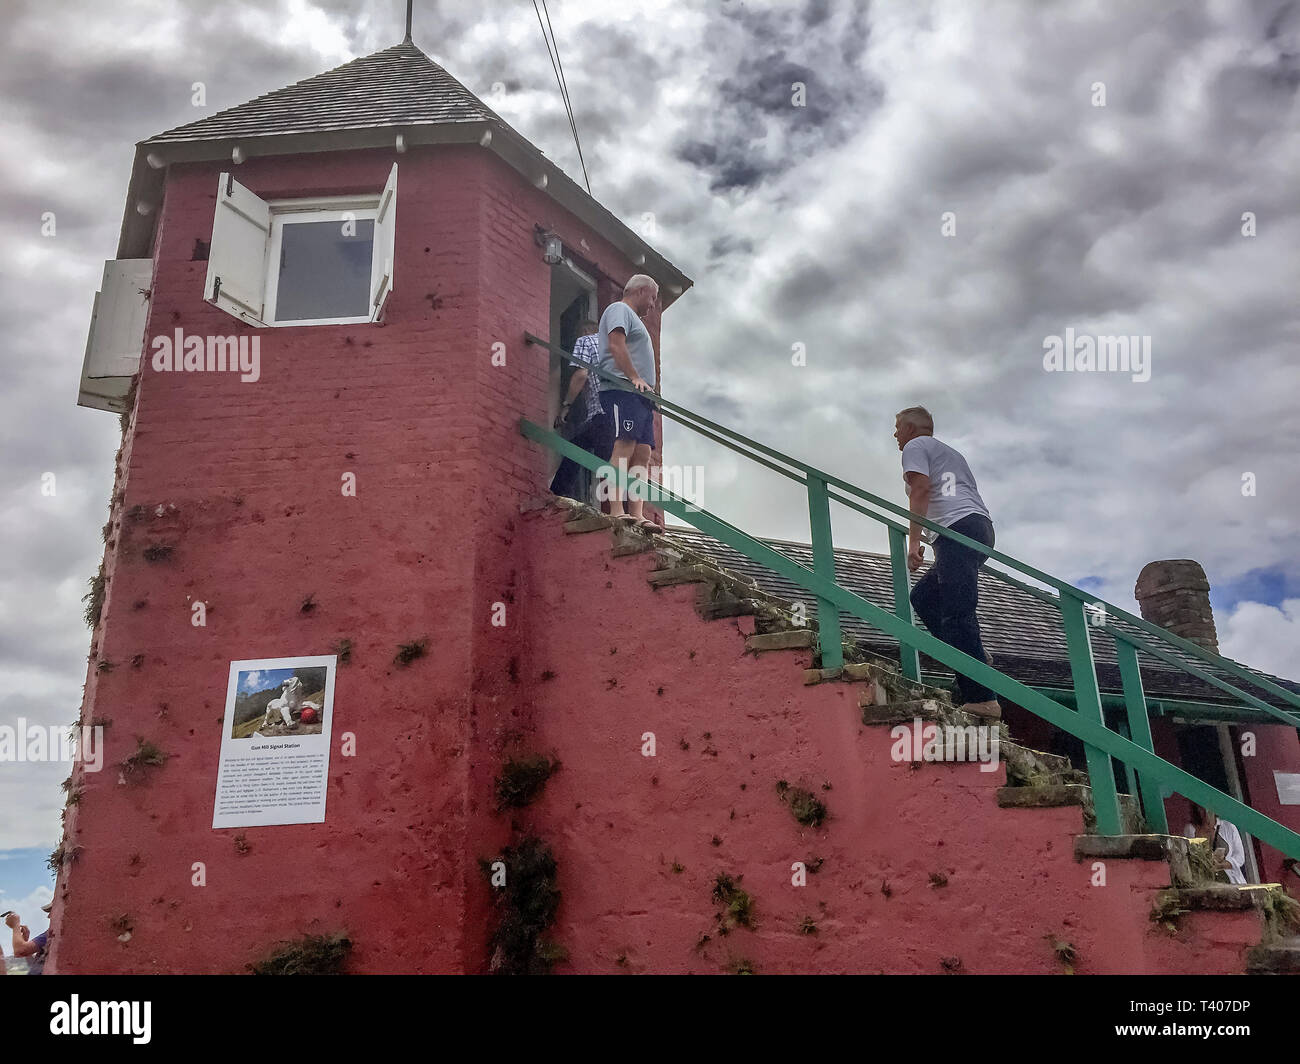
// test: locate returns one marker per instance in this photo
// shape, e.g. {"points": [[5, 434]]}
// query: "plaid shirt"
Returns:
{"points": [[587, 349]]}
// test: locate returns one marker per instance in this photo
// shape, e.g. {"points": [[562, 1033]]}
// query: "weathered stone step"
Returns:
{"points": [[684, 574], [590, 523], [850, 673], [1131, 819], [628, 542], [797, 639], [1189, 859], [1265, 898], [1276, 958], [1027, 767], [1044, 797], [1279, 912], [1048, 795], [929, 710], [713, 606]]}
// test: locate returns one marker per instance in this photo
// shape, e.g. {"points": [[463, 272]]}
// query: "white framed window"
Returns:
{"points": [[302, 262], [319, 265]]}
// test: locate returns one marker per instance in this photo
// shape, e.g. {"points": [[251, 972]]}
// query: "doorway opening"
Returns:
{"points": [[1208, 752], [573, 301]]}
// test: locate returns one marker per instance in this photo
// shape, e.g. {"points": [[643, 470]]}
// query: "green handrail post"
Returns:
{"points": [[1139, 728], [1130, 773], [909, 661], [1101, 772], [823, 552]]}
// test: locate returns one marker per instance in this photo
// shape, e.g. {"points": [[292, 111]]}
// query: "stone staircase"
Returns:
{"points": [[1034, 779]]}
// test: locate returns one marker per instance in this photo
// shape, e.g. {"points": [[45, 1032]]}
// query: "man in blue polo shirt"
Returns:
{"points": [[626, 351]]}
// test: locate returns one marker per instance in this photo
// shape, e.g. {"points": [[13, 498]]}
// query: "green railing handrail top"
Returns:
{"points": [[1062, 586], [1092, 733]]}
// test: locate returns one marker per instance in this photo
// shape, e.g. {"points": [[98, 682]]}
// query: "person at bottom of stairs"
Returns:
{"points": [[941, 487], [1229, 853]]}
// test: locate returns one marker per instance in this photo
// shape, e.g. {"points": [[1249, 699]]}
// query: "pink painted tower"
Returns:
{"points": [[373, 243]]}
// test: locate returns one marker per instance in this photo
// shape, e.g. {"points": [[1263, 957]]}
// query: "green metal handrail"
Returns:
{"points": [[1086, 721], [803, 473]]}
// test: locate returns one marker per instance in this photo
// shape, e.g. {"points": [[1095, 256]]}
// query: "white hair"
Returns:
{"points": [[638, 281], [916, 416]]}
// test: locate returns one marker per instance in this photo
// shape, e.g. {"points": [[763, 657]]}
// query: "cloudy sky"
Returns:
{"points": [[820, 225]]}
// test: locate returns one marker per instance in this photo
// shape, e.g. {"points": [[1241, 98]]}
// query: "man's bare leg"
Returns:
{"points": [[640, 468], [620, 458]]}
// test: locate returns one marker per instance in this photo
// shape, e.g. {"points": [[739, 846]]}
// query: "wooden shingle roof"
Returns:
{"points": [[396, 99], [400, 86]]}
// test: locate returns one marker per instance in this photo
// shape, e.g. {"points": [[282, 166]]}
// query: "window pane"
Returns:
{"points": [[324, 274]]}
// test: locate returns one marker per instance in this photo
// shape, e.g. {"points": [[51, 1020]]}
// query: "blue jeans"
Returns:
{"points": [[945, 598], [594, 435]]}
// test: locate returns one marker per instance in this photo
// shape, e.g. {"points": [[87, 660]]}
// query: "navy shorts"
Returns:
{"points": [[631, 414]]}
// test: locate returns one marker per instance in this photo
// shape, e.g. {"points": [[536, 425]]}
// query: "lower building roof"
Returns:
{"points": [[1023, 635]]}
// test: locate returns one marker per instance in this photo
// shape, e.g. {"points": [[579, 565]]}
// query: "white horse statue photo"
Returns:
{"points": [[288, 705]]}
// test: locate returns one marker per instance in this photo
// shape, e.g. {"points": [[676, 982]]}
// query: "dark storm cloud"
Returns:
{"points": [[753, 105]]}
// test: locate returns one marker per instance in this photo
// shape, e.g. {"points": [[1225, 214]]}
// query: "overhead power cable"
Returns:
{"points": [[553, 51]]}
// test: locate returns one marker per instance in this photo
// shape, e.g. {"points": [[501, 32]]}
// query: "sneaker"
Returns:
{"points": [[992, 710]]}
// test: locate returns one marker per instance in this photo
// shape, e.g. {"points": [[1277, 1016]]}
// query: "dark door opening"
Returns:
{"points": [[573, 301]]}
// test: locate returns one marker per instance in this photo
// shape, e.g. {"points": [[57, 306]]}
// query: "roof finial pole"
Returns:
{"points": [[409, 5]]}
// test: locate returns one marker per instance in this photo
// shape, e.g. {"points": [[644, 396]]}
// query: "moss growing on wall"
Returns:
{"points": [[1281, 916], [805, 806], [409, 652], [522, 780], [309, 955], [94, 598], [528, 903], [737, 905], [1200, 859], [145, 755]]}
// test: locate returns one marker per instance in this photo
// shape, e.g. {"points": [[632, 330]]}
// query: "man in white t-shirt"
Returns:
{"points": [[941, 487]]}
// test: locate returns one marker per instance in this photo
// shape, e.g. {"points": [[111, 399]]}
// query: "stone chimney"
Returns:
{"points": [[1176, 596]]}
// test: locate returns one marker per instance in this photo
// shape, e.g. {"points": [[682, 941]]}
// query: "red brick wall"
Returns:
{"points": [[249, 476]]}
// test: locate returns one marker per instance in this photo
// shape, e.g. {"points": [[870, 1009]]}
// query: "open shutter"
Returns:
{"points": [[116, 336], [381, 266], [241, 232]]}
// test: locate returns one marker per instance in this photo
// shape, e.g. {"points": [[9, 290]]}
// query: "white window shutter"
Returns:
{"points": [[241, 231], [381, 266], [117, 325], [116, 337]]}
